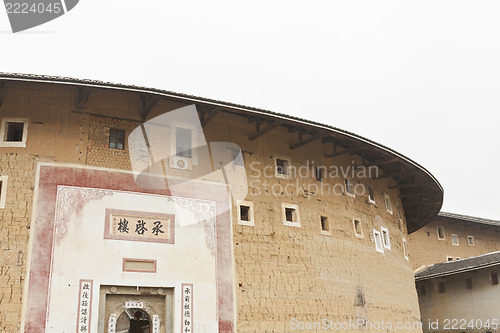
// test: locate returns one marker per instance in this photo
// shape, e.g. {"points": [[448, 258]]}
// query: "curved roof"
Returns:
{"points": [[421, 193]]}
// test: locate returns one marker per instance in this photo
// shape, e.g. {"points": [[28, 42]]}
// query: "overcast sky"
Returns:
{"points": [[422, 77]]}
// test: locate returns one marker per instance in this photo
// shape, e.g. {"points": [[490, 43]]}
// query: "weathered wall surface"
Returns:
{"points": [[284, 274], [468, 310], [427, 249]]}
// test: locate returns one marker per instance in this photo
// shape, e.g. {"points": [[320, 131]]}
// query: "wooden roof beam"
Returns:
{"points": [[148, 103], [397, 174], [208, 116], [268, 128], [410, 185], [306, 141], [352, 150], [82, 98]]}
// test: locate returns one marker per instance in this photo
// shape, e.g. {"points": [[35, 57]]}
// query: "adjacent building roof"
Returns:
{"points": [[459, 266], [421, 193], [470, 219]]}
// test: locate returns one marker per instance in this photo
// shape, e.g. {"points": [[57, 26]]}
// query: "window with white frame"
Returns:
{"points": [[245, 213], [470, 240], [388, 204], [290, 213], [3, 190], [454, 239], [14, 132], [440, 233], [349, 187], [358, 230], [377, 237], [371, 195], [405, 249], [183, 142], [282, 166], [449, 258], [385, 238]]}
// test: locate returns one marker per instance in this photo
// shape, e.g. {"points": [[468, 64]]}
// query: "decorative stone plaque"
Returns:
{"points": [[84, 306]]}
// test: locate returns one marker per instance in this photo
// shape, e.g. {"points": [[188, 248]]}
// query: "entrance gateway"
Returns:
{"points": [[135, 309]]}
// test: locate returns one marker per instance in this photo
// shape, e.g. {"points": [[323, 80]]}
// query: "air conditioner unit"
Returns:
{"points": [[181, 163]]}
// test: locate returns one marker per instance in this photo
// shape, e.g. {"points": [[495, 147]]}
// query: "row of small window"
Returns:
{"points": [[454, 237], [441, 286], [291, 217], [282, 170]]}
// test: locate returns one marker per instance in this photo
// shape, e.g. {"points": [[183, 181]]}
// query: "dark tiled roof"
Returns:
{"points": [[459, 266], [469, 218]]}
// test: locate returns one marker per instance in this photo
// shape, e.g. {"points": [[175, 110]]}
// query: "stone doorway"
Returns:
{"points": [[126, 309]]}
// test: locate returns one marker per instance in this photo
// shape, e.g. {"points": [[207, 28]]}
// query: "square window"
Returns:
{"points": [[385, 238], [3, 190], [325, 225], [378, 241], [358, 231], [291, 215], [405, 249], [183, 142], [388, 205], [454, 239], [371, 195], [245, 213], [349, 187], [441, 287], [116, 138], [282, 167], [470, 240], [440, 233], [494, 278], [468, 283], [14, 132]]}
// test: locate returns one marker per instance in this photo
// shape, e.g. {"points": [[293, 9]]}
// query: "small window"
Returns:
{"points": [[349, 187], [470, 240], [319, 173], [245, 213], [405, 249], [454, 239], [422, 290], [358, 231], [14, 132], [371, 195], [282, 166], [183, 142], [441, 287], [291, 215], [116, 138], [468, 283], [325, 225], [494, 278], [448, 258], [385, 238], [440, 233], [3, 190], [388, 205], [378, 241], [457, 258]]}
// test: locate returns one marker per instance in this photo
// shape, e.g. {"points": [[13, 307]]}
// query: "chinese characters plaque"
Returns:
{"points": [[84, 307], [139, 226], [187, 307]]}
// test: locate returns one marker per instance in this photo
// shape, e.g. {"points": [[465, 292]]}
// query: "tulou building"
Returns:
{"points": [[128, 209]]}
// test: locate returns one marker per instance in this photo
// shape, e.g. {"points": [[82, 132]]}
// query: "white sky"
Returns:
{"points": [[422, 77]]}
